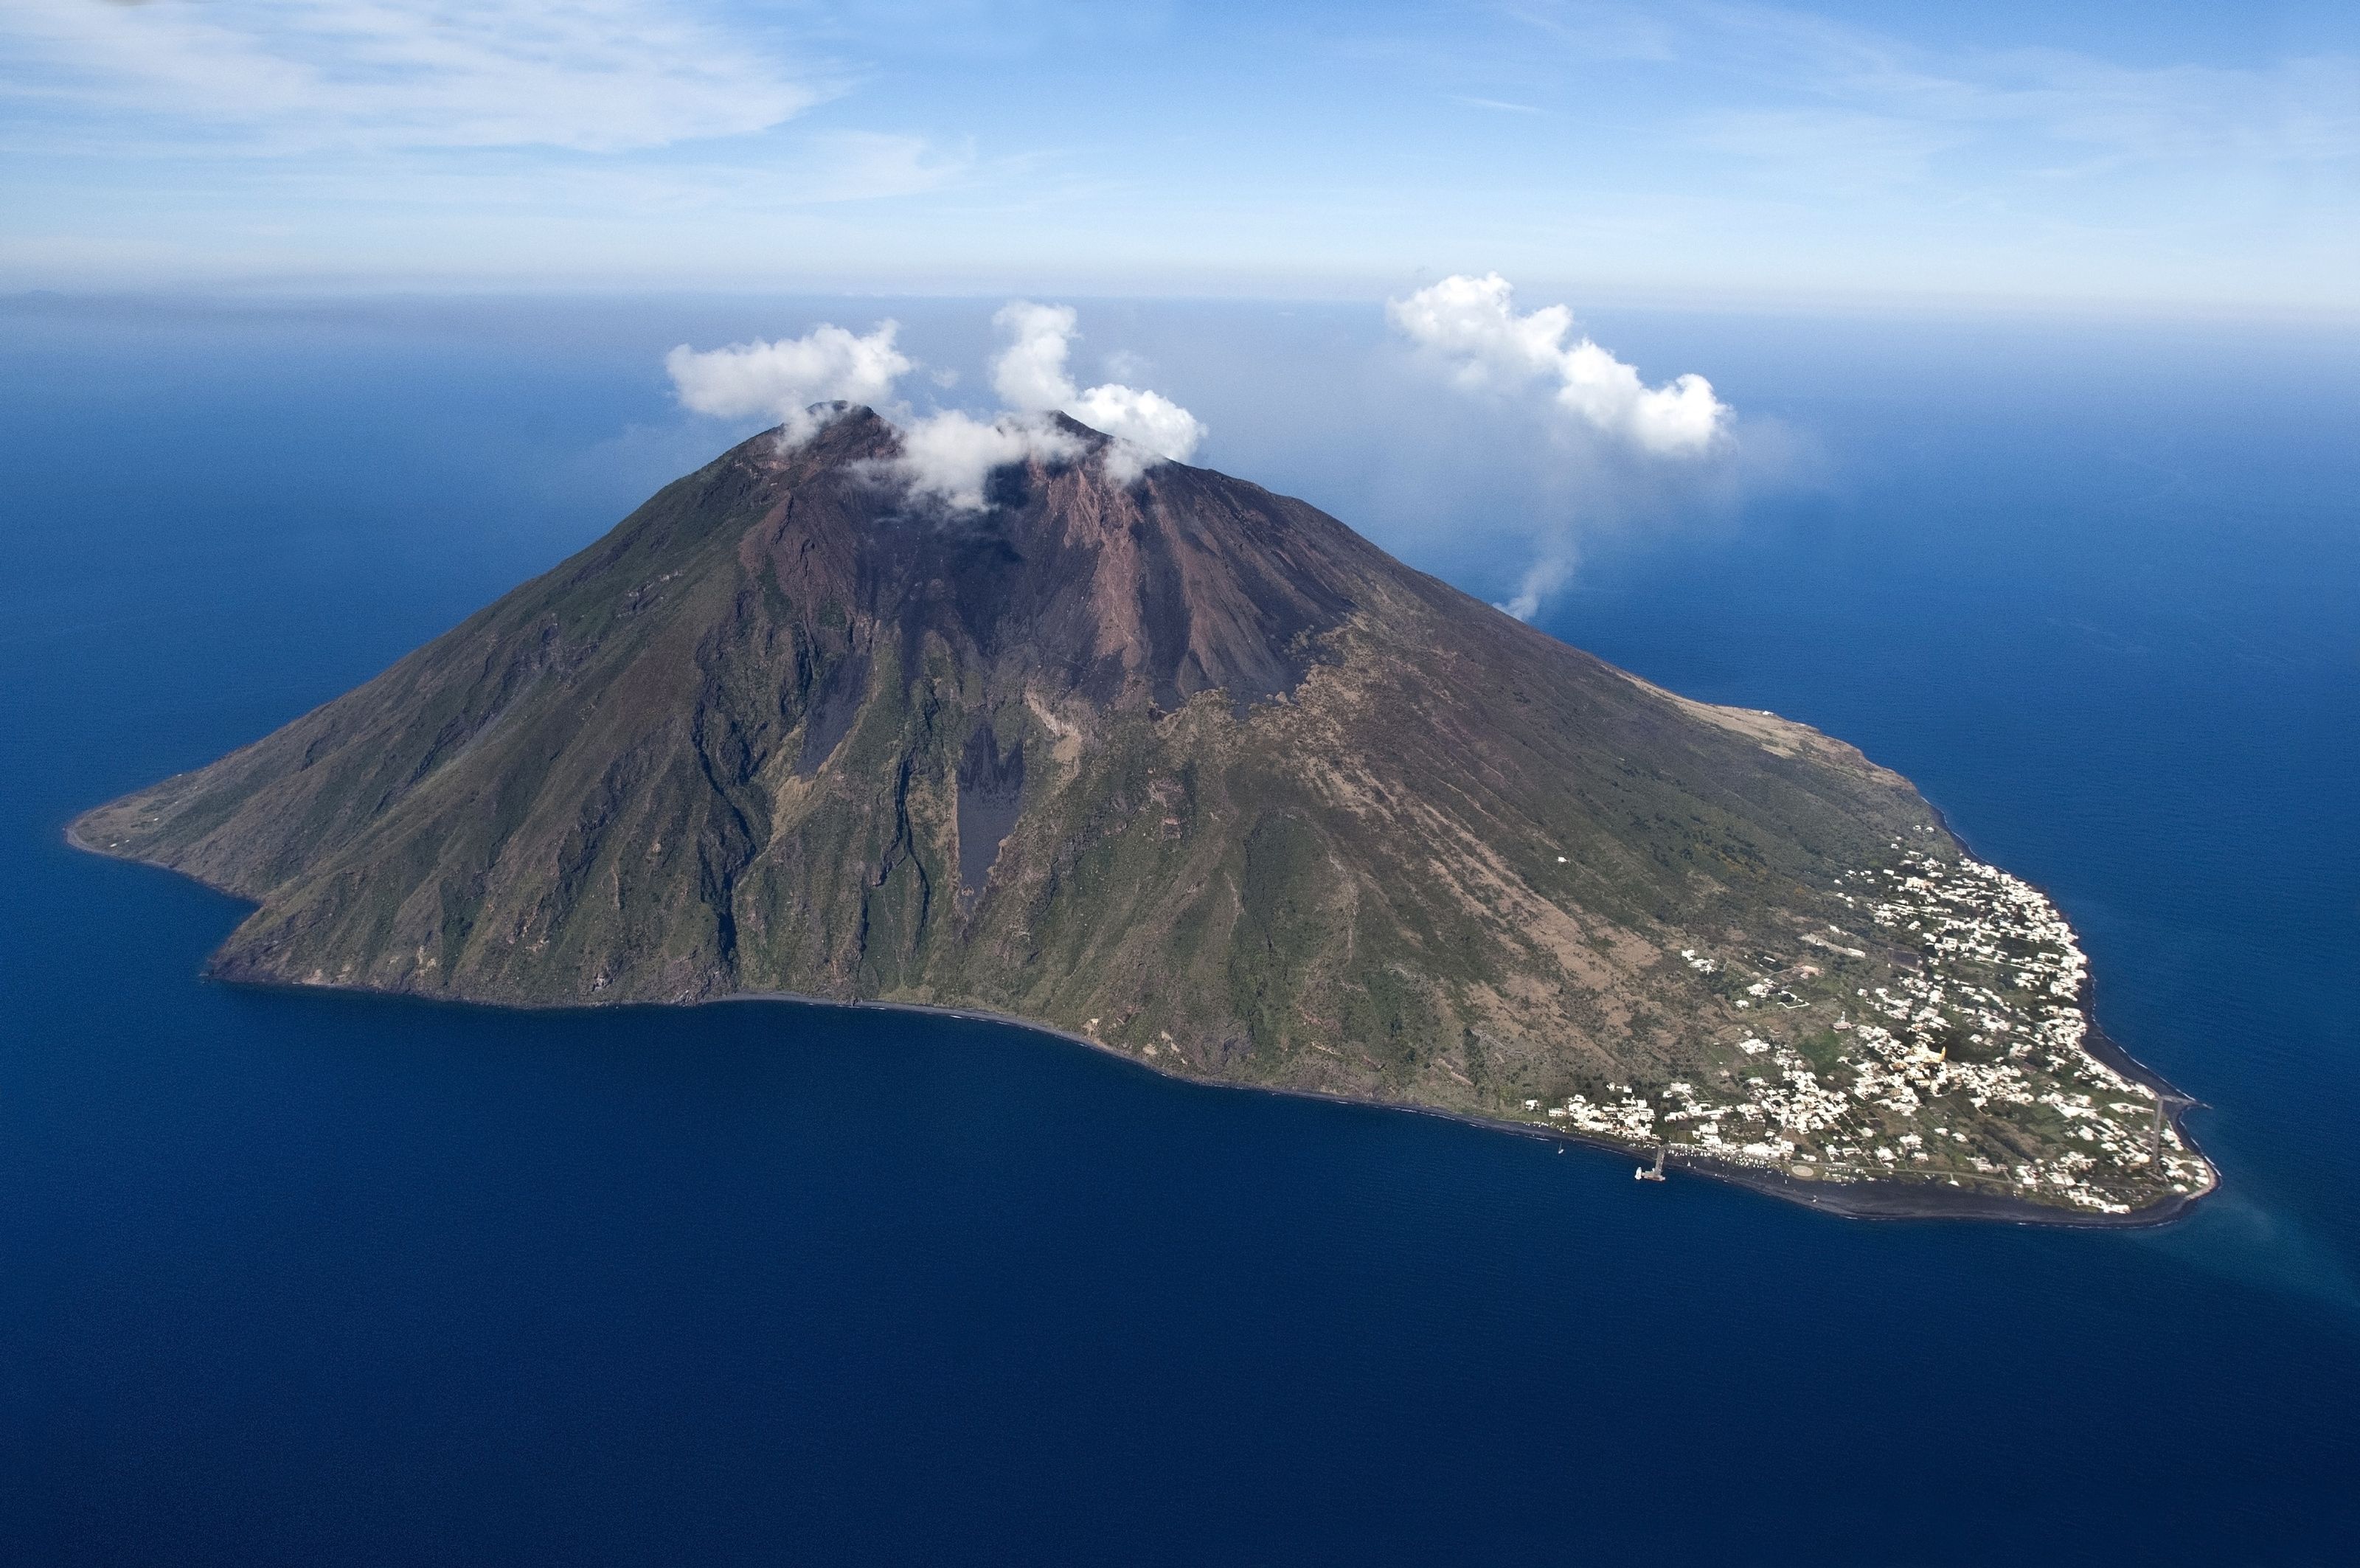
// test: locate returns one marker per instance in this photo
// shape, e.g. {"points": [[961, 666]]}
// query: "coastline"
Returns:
{"points": [[1869, 1200], [2176, 1102], [1856, 1200]]}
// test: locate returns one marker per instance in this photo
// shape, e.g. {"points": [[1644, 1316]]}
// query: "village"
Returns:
{"points": [[1968, 1067]]}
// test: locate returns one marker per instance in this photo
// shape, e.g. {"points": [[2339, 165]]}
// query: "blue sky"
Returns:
{"points": [[2137, 156]]}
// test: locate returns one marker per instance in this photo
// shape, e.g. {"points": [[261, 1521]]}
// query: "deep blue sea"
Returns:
{"points": [[291, 1278]]}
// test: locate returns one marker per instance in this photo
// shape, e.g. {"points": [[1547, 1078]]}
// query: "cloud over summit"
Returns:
{"points": [[949, 455], [1029, 375], [784, 378]]}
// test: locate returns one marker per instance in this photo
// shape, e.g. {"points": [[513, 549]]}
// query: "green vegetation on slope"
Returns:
{"points": [[1289, 812]]}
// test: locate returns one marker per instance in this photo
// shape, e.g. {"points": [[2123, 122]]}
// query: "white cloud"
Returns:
{"points": [[1612, 448], [784, 378], [1029, 375], [948, 456], [1472, 325], [593, 75], [1150, 426], [1891, 100]]}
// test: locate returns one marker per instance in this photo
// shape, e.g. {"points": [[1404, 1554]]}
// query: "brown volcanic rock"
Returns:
{"points": [[1168, 762]]}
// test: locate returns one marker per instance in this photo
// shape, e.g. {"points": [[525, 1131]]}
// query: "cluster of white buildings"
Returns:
{"points": [[2001, 980]]}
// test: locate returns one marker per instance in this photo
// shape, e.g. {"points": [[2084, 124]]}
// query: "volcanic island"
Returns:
{"points": [[1157, 760]]}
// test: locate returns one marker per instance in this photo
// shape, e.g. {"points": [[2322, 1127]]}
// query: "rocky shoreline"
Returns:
{"points": [[1870, 1198]]}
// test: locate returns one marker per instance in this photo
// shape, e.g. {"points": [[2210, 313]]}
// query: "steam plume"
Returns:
{"points": [[784, 378], [1029, 375], [947, 456], [1472, 325]]}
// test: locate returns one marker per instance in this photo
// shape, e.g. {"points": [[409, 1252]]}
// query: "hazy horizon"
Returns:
{"points": [[1324, 401]]}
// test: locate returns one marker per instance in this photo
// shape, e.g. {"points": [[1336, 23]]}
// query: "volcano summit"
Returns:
{"points": [[1157, 759]]}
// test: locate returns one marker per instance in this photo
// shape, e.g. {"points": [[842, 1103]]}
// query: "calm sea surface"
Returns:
{"points": [[310, 1279]]}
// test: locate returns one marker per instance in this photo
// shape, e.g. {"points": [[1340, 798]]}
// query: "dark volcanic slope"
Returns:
{"points": [[1178, 764]]}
